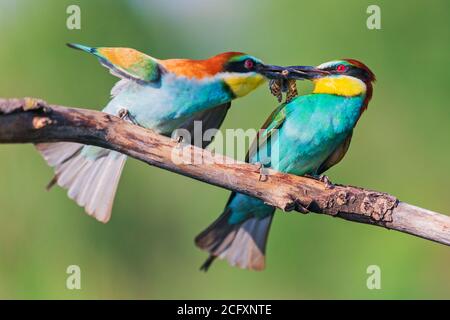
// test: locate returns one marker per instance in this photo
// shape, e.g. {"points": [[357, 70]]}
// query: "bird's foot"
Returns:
{"points": [[177, 139], [263, 172], [124, 114], [322, 178], [301, 208], [297, 206]]}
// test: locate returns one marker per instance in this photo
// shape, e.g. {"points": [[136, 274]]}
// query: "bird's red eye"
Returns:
{"points": [[341, 68], [249, 64]]}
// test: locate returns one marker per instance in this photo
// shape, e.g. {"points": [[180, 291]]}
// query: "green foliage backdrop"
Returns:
{"points": [[401, 146]]}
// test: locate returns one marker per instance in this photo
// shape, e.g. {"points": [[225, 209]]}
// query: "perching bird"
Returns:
{"points": [[162, 95], [313, 133]]}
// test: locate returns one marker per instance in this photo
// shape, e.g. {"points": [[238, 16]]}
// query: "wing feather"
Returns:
{"points": [[337, 155], [211, 119], [273, 122], [126, 63]]}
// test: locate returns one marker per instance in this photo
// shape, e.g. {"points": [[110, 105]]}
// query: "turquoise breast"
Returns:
{"points": [[315, 126]]}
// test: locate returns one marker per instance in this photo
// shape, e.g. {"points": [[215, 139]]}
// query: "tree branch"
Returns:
{"points": [[31, 121]]}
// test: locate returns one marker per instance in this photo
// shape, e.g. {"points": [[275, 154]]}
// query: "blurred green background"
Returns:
{"points": [[401, 146]]}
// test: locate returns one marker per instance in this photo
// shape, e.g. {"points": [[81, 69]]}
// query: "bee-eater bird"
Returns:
{"points": [[313, 134], [162, 95]]}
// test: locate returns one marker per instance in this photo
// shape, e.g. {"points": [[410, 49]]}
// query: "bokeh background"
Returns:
{"points": [[401, 146]]}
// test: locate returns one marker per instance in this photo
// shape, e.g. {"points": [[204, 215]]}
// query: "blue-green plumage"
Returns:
{"points": [[162, 95], [300, 137], [312, 127], [305, 136], [167, 104]]}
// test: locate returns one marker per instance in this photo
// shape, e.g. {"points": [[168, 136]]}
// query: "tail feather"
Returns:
{"points": [[105, 186], [242, 245], [205, 266], [87, 184], [248, 247], [91, 182], [57, 153]]}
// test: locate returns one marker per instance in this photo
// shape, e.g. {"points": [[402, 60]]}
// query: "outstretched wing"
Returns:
{"points": [[125, 63], [337, 155], [273, 122]]}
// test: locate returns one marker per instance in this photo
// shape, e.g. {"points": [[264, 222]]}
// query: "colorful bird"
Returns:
{"points": [[308, 135], [162, 95]]}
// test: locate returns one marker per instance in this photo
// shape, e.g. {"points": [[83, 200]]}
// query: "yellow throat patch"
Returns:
{"points": [[242, 84], [341, 85]]}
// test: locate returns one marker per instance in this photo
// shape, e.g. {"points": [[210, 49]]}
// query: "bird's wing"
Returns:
{"points": [[273, 122], [337, 155], [211, 119], [126, 63]]}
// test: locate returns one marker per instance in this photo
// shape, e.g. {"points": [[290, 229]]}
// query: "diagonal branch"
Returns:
{"points": [[30, 121]]}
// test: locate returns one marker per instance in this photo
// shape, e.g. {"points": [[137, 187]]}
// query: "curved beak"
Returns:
{"points": [[272, 71], [291, 72], [305, 72]]}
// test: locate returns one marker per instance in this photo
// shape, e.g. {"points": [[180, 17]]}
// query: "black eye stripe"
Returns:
{"points": [[340, 69], [351, 70], [240, 66], [358, 73]]}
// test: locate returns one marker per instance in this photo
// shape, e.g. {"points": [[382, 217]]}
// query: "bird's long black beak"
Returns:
{"points": [[305, 72], [272, 71], [291, 72]]}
